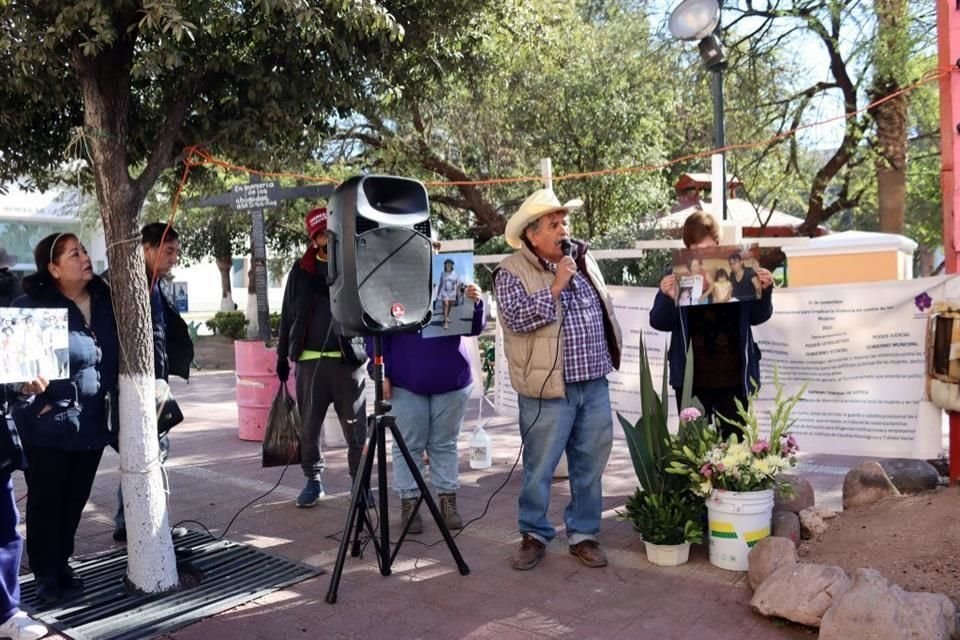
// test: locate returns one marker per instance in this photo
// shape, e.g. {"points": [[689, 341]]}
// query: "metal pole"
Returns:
{"points": [[719, 159]]}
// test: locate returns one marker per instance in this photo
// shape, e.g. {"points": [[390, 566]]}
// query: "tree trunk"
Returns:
{"points": [[891, 116], [925, 259], [225, 265], [105, 83]]}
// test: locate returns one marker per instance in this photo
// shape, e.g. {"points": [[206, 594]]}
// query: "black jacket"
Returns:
{"points": [[9, 287], [306, 302], [172, 345], [77, 420]]}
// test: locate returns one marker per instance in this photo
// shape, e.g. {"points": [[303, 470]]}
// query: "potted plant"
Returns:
{"points": [[737, 477], [664, 510]]}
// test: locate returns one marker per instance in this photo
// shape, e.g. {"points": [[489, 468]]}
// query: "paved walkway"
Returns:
{"points": [[213, 474]]}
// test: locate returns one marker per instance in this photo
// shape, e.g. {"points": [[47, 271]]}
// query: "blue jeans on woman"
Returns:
{"points": [[580, 424], [432, 424]]}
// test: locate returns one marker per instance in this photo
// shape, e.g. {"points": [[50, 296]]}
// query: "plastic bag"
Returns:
{"points": [[281, 442]]}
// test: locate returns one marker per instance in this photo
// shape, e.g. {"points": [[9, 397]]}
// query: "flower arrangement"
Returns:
{"points": [[751, 464]]}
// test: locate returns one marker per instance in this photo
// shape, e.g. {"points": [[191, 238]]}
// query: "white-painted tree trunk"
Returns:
{"points": [[253, 320], [151, 563], [227, 303]]}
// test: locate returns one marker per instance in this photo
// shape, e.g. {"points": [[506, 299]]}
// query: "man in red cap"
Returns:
{"points": [[329, 366]]}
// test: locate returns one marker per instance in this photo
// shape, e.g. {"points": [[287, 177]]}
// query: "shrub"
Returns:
{"points": [[230, 324]]}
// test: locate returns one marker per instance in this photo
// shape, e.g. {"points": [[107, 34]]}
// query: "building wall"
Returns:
{"points": [[846, 267]]}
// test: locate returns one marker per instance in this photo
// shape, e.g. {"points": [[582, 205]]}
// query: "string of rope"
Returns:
{"points": [[197, 155]]}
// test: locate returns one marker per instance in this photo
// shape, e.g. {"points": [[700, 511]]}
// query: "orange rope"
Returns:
{"points": [[196, 155]]}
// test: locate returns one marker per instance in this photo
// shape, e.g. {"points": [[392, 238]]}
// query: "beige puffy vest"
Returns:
{"points": [[533, 355]]}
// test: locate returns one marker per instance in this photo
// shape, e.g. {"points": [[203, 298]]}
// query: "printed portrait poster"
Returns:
{"points": [[714, 275], [181, 299], [452, 309], [33, 342]]}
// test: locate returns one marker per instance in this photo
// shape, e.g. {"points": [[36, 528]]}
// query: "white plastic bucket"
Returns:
{"points": [[738, 520]]}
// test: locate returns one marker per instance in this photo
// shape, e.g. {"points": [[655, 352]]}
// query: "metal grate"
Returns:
{"points": [[230, 574]]}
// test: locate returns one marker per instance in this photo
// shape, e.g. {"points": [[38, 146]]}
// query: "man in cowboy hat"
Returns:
{"points": [[9, 282], [561, 340], [329, 367]]}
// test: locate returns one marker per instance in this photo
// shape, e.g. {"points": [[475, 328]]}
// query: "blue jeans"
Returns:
{"points": [[580, 424], [430, 423]]}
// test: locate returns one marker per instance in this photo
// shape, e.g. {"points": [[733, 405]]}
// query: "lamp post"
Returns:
{"points": [[700, 20]]}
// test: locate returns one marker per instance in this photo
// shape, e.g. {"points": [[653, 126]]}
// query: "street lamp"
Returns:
{"points": [[700, 20]]}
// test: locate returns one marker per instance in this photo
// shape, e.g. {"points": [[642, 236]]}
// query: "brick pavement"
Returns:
{"points": [[212, 474]]}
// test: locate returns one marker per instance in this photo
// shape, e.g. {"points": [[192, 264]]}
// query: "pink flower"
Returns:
{"points": [[721, 467], [689, 414], [790, 447], [706, 471], [760, 446]]}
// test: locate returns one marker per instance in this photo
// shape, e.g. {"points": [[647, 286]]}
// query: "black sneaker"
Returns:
{"points": [[120, 534], [69, 579]]}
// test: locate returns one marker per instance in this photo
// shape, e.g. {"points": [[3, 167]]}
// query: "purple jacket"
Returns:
{"points": [[429, 366]]}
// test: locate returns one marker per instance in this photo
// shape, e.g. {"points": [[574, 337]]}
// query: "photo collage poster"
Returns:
{"points": [[33, 342], [715, 275], [452, 310]]}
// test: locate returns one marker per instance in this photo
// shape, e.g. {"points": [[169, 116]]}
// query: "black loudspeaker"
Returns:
{"points": [[380, 255]]}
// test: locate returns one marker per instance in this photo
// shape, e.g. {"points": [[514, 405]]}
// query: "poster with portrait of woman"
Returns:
{"points": [[452, 310], [715, 275], [33, 342]]}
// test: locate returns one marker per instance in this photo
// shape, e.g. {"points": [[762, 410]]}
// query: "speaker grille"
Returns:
{"points": [[393, 267]]}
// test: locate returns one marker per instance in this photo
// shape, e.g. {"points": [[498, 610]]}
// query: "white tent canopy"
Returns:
{"points": [[740, 212]]}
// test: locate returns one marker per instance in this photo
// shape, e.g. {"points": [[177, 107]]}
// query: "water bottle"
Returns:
{"points": [[481, 455]]}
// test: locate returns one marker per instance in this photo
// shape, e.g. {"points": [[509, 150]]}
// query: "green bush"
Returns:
{"points": [[231, 324], [275, 324]]}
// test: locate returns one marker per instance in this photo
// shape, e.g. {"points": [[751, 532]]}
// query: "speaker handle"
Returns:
{"points": [[332, 261]]}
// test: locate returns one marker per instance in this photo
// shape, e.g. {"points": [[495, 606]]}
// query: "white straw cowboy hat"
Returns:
{"points": [[540, 203]]}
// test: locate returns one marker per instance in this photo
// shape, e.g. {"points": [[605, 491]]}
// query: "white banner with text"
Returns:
{"points": [[859, 348]]}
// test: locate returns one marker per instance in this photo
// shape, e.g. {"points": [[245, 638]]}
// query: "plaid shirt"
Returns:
{"points": [[585, 352]]}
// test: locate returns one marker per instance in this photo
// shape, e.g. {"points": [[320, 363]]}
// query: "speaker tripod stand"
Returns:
{"points": [[358, 517]]}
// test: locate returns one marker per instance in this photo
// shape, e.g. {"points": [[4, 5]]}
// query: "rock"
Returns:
{"points": [[786, 524], [865, 484], [801, 593], [800, 497], [768, 555], [911, 476], [812, 522], [873, 608]]}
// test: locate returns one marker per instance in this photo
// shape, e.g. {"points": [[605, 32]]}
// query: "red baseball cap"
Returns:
{"points": [[316, 221]]}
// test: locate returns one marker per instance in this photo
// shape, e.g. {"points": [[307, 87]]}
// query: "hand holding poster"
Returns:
{"points": [[452, 309], [33, 342]]}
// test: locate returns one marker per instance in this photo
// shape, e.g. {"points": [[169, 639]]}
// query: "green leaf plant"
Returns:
{"points": [[663, 509]]}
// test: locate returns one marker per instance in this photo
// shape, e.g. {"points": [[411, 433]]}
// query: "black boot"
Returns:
{"points": [[67, 578], [48, 590]]}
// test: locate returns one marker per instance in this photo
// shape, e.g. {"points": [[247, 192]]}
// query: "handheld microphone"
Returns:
{"points": [[567, 248]]}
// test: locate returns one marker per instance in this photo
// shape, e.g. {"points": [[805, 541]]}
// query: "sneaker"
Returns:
{"points": [[448, 510], [310, 495], [406, 513], [529, 553], [589, 553], [20, 626], [120, 534]]}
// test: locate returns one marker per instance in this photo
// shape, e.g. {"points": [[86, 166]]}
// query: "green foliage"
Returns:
{"points": [[275, 324], [663, 508], [231, 324], [669, 518], [488, 361]]}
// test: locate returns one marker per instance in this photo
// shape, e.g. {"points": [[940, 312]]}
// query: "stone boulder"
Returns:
{"points": [[786, 524], [873, 608], [866, 484], [767, 556], [812, 521], [799, 497], [801, 593], [911, 476]]}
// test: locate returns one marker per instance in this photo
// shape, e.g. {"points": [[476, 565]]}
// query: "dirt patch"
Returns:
{"points": [[914, 541], [213, 352]]}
